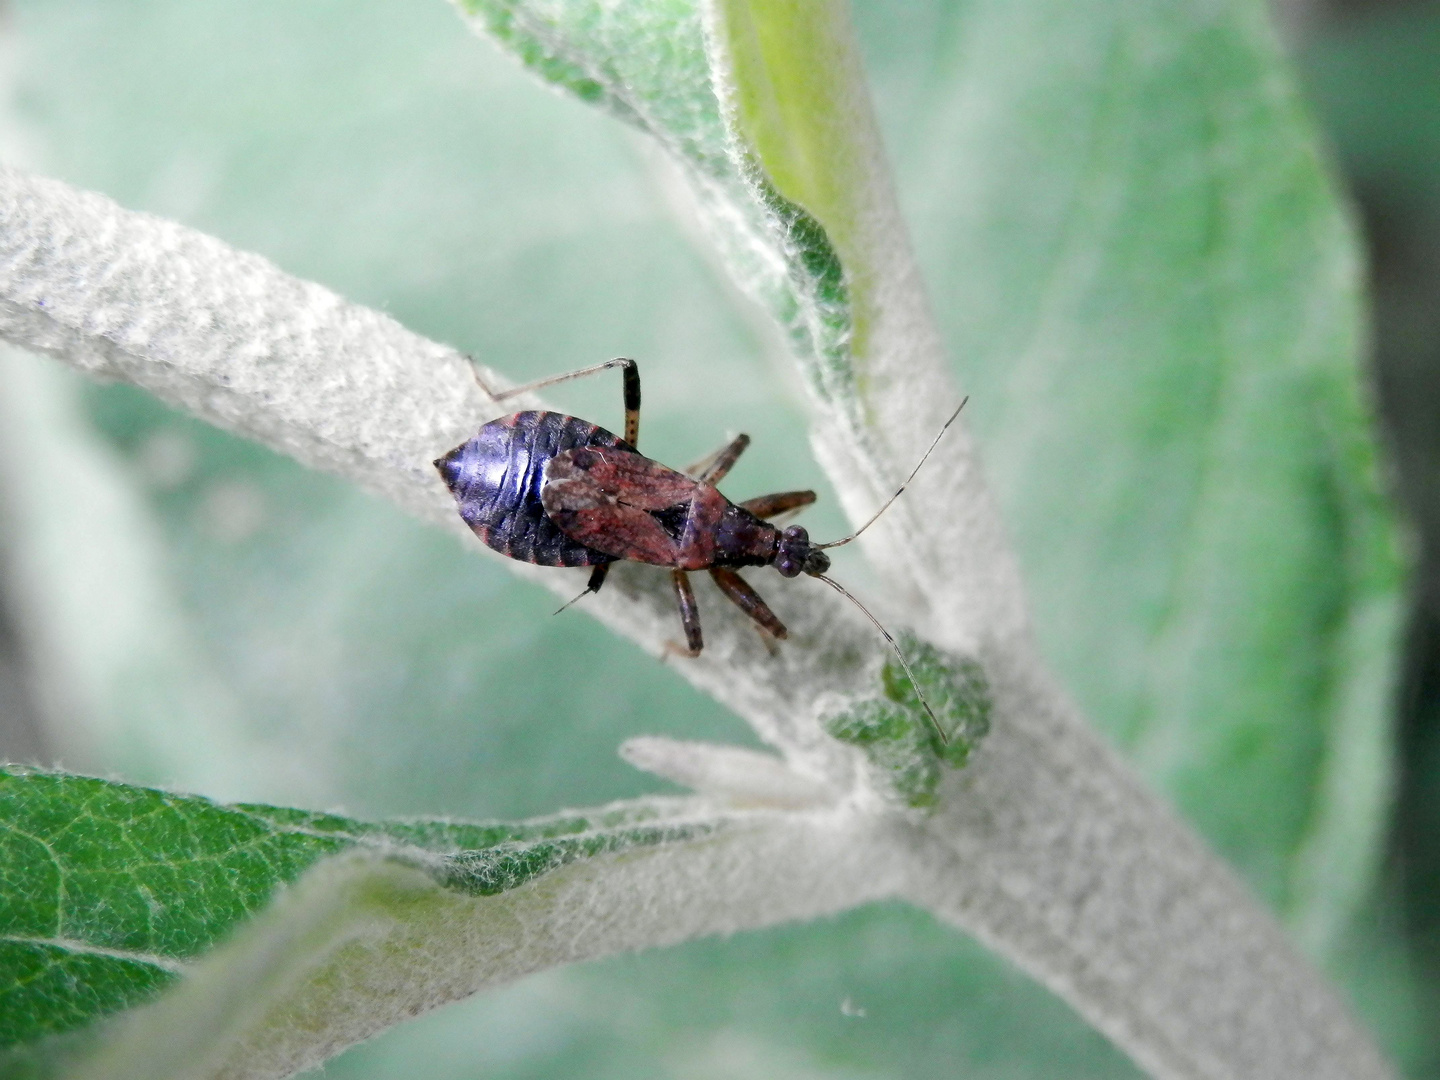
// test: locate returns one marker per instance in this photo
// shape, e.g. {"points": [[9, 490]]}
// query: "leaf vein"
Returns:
{"points": [[73, 945]]}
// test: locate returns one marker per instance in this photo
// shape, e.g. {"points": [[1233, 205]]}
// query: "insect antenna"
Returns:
{"points": [[876, 516], [934, 720]]}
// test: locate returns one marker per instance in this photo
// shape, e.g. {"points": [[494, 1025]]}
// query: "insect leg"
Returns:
{"points": [[632, 389], [767, 506], [689, 612], [748, 600], [632, 402], [712, 470], [597, 577]]}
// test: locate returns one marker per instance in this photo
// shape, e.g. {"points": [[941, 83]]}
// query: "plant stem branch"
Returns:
{"points": [[1045, 847]]}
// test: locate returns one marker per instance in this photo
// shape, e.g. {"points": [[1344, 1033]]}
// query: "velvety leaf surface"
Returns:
{"points": [[1152, 295], [1376, 83], [107, 889]]}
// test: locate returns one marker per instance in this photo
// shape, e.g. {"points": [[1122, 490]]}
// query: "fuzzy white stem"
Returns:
{"points": [[1052, 853]]}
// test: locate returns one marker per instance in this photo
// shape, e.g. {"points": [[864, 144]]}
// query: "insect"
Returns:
{"points": [[551, 489]]}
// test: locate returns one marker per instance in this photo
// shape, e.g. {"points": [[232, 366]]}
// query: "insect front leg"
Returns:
{"points": [[767, 506], [712, 470], [748, 601], [631, 375], [689, 614]]}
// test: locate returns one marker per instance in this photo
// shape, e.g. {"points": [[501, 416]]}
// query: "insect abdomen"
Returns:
{"points": [[496, 477]]}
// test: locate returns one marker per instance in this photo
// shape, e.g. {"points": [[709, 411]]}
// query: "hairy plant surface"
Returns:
{"points": [[1140, 267]]}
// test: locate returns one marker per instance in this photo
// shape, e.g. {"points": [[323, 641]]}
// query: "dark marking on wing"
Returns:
{"points": [[672, 519]]}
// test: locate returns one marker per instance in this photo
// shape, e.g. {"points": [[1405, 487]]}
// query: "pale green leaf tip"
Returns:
{"points": [[906, 756]]}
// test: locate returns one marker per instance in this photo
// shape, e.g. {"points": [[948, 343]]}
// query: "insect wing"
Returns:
{"points": [[603, 498], [632, 478]]}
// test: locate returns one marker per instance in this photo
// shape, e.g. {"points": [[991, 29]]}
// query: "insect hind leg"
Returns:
{"points": [[712, 469], [631, 376]]}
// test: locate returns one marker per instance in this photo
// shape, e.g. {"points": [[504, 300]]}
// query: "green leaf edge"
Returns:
{"points": [[104, 969], [812, 299]]}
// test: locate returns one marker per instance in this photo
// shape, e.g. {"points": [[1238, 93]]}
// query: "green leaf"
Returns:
{"points": [[107, 891], [1376, 83], [791, 76], [1152, 294], [898, 736], [648, 64]]}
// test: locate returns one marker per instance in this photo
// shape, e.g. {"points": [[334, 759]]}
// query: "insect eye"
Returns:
{"points": [[796, 532]]}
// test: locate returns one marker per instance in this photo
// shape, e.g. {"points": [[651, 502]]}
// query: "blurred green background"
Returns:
{"points": [[336, 654]]}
